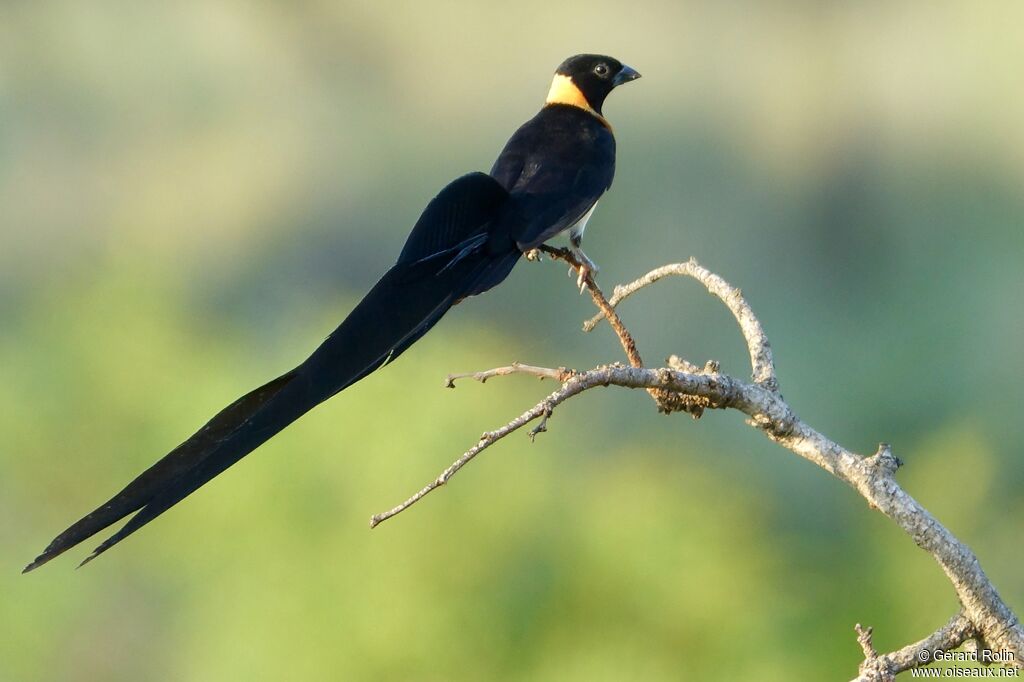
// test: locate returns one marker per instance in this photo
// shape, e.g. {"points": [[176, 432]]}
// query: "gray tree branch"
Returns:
{"points": [[884, 668], [984, 616]]}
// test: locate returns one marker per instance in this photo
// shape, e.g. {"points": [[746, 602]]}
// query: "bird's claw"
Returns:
{"points": [[581, 279], [587, 268], [532, 255]]}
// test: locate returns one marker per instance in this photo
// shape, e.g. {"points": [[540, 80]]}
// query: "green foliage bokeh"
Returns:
{"points": [[193, 194]]}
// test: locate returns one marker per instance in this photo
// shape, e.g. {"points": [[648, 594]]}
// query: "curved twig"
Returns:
{"points": [[761, 361]]}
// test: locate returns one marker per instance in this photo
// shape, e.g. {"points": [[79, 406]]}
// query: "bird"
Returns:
{"points": [[546, 181]]}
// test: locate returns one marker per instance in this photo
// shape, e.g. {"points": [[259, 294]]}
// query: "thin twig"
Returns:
{"points": [[606, 308], [667, 403], [885, 667], [542, 409], [560, 374], [864, 639], [760, 350]]}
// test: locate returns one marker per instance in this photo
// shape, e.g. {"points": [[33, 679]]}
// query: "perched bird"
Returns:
{"points": [[546, 181]]}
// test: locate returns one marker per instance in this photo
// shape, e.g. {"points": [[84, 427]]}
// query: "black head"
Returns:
{"points": [[590, 76]]}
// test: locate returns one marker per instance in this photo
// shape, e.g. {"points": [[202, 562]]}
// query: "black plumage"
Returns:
{"points": [[549, 175]]}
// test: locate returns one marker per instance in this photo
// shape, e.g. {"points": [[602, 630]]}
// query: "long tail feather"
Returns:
{"points": [[444, 261], [393, 316], [137, 493]]}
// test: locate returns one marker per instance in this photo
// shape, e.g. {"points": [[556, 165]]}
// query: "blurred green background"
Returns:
{"points": [[193, 194]]}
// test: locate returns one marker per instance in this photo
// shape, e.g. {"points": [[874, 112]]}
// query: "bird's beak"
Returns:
{"points": [[625, 75]]}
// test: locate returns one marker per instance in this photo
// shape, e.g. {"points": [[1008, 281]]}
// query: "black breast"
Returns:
{"points": [[558, 142], [555, 167]]}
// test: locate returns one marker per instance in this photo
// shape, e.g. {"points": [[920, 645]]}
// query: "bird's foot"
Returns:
{"points": [[587, 268], [532, 255]]}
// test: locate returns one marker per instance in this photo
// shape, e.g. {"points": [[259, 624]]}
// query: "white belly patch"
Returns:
{"points": [[576, 231]]}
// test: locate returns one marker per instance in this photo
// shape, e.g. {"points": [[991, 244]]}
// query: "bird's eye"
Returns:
{"points": [[601, 70]]}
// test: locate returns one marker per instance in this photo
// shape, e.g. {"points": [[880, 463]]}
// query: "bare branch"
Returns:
{"points": [[542, 410], [560, 374], [760, 350], [575, 384], [984, 616], [884, 668], [606, 308], [667, 402]]}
